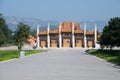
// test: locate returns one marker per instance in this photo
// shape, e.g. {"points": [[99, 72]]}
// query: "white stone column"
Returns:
{"points": [[60, 38], [85, 39], [95, 36], [73, 37], [48, 36], [38, 39]]}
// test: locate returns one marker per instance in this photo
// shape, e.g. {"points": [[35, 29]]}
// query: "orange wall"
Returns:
{"points": [[43, 43], [53, 43], [78, 43], [90, 43], [66, 42]]}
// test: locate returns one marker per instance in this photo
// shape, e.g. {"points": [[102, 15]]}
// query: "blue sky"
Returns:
{"points": [[62, 10]]}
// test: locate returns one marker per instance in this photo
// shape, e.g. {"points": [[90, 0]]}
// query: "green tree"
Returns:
{"points": [[2, 38], [5, 31], [21, 35], [111, 33], [33, 33]]}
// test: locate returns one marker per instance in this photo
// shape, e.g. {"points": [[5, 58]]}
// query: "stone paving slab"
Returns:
{"points": [[59, 64]]}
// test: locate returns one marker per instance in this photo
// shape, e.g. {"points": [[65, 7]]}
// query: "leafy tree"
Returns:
{"points": [[4, 30], [111, 33], [33, 33], [21, 35], [2, 38]]}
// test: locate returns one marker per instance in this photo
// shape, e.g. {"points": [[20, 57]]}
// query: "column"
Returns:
{"points": [[60, 38], [73, 37], [48, 36], [38, 40], [85, 40], [95, 36]]}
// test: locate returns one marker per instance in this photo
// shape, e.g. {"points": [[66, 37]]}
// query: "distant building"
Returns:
{"points": [[32, 40], [68, 34]]}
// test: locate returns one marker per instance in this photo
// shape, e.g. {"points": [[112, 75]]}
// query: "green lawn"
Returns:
{"points": [[109, 55], [10, 54]]}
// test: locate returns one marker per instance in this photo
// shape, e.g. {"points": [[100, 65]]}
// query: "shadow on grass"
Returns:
{"points": [[112, 56]]}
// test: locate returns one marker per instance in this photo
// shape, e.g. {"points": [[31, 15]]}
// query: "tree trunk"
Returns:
{"points": [[111, 47], [19, 46]]}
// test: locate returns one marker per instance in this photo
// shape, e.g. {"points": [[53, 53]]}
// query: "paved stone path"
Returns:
{"points": [[59, 64]]}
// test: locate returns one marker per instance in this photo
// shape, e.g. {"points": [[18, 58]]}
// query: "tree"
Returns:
{"points": [[4, 30], [22, 35], [33, 33], [111, 33], [2, 38]]}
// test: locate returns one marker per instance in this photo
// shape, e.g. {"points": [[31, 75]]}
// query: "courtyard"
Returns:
{"points": [[59, 64]]}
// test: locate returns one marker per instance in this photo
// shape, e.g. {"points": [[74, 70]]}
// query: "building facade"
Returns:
{"points": [[67, 35]]}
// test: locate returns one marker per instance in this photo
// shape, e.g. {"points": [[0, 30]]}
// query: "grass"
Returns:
{"points": [[10, 54], [109, 55]]}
